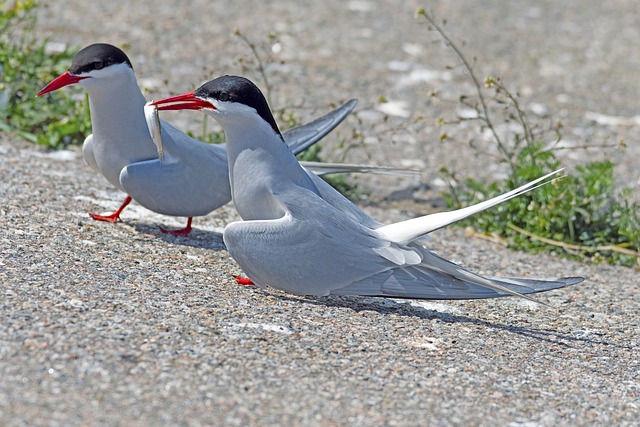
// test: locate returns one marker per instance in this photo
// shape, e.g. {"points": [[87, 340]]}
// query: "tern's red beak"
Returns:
{"points": [[185, 101], [65, 79]]}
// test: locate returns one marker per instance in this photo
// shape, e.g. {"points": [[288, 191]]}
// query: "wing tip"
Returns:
{"points": [[570, 281], [351, 104]]}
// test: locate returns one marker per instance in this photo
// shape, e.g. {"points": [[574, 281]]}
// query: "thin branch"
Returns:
{"points": [[256, 55], [485, 110], [528, 135], [569, 246], [491, 237]]}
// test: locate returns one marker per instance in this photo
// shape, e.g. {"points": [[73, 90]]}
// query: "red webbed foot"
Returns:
{"points": [[244, 281], [182, 232], [114, 217]]}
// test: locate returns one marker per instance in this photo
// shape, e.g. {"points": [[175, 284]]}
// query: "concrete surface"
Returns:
{"points": [[120, 325]]}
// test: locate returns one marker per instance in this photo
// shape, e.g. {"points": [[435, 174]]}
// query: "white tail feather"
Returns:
{"points": [[321, 168], [409, 230]]}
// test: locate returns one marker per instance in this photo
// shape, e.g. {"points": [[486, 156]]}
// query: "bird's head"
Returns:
{"points": [[99, 61], [229, 96]]}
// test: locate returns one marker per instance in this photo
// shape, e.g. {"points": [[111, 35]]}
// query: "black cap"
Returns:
{"points": [[96, 57], [241, 90]]}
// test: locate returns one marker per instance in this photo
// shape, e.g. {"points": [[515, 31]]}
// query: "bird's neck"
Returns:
{"points": [[243, 134], [117, 117], [260, 162]]}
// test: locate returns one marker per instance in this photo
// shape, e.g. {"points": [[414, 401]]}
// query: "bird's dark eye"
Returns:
{"points": [[98, 65], [223, 96]]}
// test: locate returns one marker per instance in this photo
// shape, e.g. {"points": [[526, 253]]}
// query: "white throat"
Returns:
{"points": [[259, 161], [120, 134]]}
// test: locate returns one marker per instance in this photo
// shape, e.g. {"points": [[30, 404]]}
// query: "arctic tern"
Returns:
{"points": [[300, 235], [189, 178]]}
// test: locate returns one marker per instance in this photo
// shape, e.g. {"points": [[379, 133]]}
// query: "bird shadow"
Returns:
{"points": [[388, 306], [214, 241], [197, 238]]}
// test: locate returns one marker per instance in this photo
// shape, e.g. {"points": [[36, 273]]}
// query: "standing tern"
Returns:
{"points": [[300, 235], [188, 177]]}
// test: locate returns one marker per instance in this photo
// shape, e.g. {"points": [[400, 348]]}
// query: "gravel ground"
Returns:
{"points": [[120, 325]]}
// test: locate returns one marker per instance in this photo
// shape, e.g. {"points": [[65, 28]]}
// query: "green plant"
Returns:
{"points": [[581, 215], [26, 66]]}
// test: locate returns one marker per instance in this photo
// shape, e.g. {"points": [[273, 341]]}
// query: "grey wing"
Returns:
{"points": [[302, 137], [333, 197], [323, 246], [87, 152], [436, 278], [313, 249], [193, 179]]}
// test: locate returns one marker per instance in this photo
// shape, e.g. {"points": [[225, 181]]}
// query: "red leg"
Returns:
{"points": [[114, 217], [183, 232], [244, 281]]}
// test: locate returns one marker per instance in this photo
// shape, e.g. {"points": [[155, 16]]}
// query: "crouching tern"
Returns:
{"points": [[300, 235], [185, 177]]}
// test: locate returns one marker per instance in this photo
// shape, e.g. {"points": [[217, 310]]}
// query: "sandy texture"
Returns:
{"points": [[120, 325]]}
